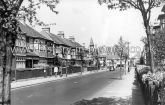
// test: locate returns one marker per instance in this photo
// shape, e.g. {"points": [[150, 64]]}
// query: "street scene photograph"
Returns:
{"points": [[82, 52]]}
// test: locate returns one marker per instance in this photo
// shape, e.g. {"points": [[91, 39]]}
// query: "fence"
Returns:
{"points": [[18, 74], [92, 68]]}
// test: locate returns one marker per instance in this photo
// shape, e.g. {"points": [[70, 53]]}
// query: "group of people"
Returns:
{"points": [[57, 70]]}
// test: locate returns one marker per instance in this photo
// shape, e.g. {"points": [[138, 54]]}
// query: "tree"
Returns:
{"points": [[144, 6], [121, 49], [10, 12], [81, 55], [159, 49], [142, 60]]}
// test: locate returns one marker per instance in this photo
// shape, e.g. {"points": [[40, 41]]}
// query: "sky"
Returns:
{"points": [[86, 19]]}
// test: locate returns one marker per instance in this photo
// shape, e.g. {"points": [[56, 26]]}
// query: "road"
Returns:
{"points": [[63, 92]]}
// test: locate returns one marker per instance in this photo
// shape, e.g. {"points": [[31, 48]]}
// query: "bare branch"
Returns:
{"points": [[141, 5], [132, 3], [149, 16], [19, 3]]}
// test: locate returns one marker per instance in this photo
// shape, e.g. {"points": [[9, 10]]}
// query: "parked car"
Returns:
{"points": [[120, 65]]}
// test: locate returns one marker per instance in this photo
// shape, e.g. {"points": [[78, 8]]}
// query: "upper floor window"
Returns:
{"points": [[36, 41], [30, 40]]}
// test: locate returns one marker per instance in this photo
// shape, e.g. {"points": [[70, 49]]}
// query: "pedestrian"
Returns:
{"points": [[44, 72], [55, 71], [60, 70], [128, 69]]}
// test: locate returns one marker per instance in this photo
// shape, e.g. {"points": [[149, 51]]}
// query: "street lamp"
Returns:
{"points": [[127, 58]]}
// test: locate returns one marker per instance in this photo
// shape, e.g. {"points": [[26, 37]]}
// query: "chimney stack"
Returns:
{"points": [[46, 29], [83, 45], [61, 34], [72, 38]]}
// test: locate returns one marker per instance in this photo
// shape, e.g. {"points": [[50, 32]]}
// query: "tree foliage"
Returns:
{"points": [[10, 12], [144, 40], [159, 49], [144, 6], [121, 49]]}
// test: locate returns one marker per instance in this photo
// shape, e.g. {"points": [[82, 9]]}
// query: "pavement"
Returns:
{"points": [[41, 80], [126, 88]]}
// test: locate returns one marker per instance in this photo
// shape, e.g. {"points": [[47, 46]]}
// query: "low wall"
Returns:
{"points": [[153, 94], [32, 73], [91, 68]]}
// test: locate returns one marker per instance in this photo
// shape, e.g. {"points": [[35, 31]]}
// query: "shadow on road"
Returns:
{"points": [[117, 78], [135, 99]]}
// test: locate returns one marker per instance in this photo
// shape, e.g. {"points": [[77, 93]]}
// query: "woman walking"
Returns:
{"points": [[55, 71]]}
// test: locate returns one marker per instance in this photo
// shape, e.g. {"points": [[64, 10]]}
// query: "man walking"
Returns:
{"points": [[55, 71]]}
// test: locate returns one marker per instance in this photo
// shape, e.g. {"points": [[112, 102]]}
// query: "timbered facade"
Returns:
{"points": [[19, 52]]}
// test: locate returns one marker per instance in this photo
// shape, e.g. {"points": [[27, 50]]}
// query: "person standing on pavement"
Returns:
{"points": [[60, 70], [55, 71], [45, 72]]}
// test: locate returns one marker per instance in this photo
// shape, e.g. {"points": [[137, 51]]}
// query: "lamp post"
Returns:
{"points": [[128, 57], [120, 67]]}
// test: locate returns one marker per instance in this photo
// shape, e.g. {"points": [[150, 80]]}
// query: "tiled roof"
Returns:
{"points": [[161, 16], [74, 45], [71, 43], [56, 39], [30, 31], [77, 44], [61, 41], [67, 43], [163, 9], [45, 34]]}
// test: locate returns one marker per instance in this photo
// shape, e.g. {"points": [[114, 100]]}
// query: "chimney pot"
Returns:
{"points": [[46, 29], [72, 38], [61, 34]]}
